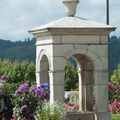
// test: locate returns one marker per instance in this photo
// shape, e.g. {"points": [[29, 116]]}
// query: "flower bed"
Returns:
{"points": [[28, 101]]}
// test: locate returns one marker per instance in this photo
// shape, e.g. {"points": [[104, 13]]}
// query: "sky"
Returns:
{"points": [[19, 16]]}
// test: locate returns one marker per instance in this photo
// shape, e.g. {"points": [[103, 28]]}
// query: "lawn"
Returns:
{"points": [[116, 117]]}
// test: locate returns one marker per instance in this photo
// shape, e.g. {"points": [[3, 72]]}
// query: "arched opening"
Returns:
{"points": [[71, 85], [44, 69], [85, 82], [71, 75]]}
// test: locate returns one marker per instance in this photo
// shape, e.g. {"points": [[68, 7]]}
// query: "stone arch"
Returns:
{"points": [[86, 62], [43, 67], [97, 61]]}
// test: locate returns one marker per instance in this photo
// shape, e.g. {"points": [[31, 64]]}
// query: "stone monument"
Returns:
{"points": [[86, 42]]}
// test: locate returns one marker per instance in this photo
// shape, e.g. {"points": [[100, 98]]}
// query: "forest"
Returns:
{"points": [[18, 50]]}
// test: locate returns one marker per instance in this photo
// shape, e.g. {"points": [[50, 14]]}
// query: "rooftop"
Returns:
{"points": [[73, 22]]}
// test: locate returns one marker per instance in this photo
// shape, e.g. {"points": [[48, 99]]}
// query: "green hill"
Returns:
{"points": [[19, 50]]}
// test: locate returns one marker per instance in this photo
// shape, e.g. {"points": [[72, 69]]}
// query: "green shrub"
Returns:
{"points": [[19, 71], [114, 86], [115, 77], [55, 111], [115, 116], [71, 77]]}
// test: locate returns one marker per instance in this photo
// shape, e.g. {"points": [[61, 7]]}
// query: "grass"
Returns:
{"points": [[115, 116]]}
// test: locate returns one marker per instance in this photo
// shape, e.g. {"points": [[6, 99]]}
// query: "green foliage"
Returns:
{"points": [[5, 67], [71, 77], [115, 116], [114, 86], [18, 72], [18, 50], [54, 112], [116, 75]]}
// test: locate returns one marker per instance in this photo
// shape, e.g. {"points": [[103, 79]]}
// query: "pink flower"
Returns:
{"points": [[114, 107]]}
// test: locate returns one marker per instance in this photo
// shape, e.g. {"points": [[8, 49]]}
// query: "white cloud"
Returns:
{"points": [[22, 18], [18, 16], [96, 2]]}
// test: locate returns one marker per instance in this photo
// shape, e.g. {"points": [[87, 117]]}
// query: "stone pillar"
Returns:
{"points": [[89, 97], [37, 73], [101, 96], [56, 78], [85, 92], [56, 86], [44, 76]]}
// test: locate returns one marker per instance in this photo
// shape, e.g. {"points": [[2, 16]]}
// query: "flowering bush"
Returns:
{"points": [[114, 97], [5, 99], [18, 71], [114, 107], [5, 78], [29, 100], [114, 91]]}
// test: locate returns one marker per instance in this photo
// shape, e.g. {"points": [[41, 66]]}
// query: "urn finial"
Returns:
{"points": [[70, 7]]}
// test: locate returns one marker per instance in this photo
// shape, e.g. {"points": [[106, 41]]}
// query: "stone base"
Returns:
{"points": [[103, 116], [80, 116]]}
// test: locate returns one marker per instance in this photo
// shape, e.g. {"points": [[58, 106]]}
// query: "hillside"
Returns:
{"points": [[18, 50], [25, 50]]}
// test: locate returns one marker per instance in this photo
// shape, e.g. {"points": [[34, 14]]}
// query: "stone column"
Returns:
{"points": [[56, 78], [42, 77], [37, 73], [56, 86], [101, 95], [85, 91], [89, 97]]}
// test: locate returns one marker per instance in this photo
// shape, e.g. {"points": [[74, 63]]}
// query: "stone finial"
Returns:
{"points": [[70, 7]]}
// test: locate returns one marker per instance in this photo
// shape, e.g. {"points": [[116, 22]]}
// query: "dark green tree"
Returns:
{"points": [[71, 77]]}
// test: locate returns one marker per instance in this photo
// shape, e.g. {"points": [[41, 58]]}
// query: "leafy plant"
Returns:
{"points": [[55, 111], [114, 86], [19, 71], [115, 77], [115, 116], [71, 77]]}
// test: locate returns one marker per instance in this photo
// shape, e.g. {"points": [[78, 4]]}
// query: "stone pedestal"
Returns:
{"points": [[80, 116], [103, 116]]}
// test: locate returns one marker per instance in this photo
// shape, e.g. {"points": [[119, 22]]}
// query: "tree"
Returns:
{"points": [[115, 77], [71, 77]]}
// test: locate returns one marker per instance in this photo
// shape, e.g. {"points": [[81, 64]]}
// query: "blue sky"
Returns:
{"points": [[18, 16]]}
